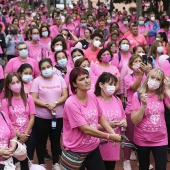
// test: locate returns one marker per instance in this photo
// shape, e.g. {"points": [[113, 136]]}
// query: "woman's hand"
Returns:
{"points": [[5, 153], [144, 68], [23, 137], [51, 106], [167, 85], [122, 123], [113, 123], [115, 137], [144, 99]]}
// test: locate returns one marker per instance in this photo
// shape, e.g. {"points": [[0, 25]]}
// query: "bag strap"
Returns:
{"points": [[3, 117]]}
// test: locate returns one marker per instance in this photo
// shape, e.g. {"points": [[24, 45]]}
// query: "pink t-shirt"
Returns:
{"points": [[27, 87], [142, 28], [6, 132], [45, 41], [165, 68], [138, 40], [15, 63], [54, 31], [98, 70], [36, 52], [126, 34], [91, 55], [111, 110], [129, 80], [119, 64], [80, 32], [77, 114], [151, 131], [48, 91], [71, 27], [1, 73], [18, 113]]}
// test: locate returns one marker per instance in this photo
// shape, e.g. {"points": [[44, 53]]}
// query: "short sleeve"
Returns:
{"points": [[63, 83], [115, 60], [8, 67], [128, 81], [34, 86], [31, 105], [74, 114], [135, 102], [4, 106], [1, 73], [12, 132]]}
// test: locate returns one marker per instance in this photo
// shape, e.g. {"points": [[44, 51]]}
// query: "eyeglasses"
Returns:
{"points": [[22, 49]]}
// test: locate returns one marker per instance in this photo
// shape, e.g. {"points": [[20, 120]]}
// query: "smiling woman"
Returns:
{"points": [[81, 116]]}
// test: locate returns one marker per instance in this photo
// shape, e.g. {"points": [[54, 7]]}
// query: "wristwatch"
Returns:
{"points": [[56, 102]]}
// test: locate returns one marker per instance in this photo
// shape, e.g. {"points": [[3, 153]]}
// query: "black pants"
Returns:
{"points": [[167, 119], [43, 131], [93, 161], [159, 154], [110, 165]]}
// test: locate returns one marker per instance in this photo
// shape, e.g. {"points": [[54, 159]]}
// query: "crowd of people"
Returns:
{"points": [[89, 83]]}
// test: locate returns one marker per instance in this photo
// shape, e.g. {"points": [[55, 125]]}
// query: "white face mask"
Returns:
{"points": [[160, 49], [136, 66], [76, 58], [125, 47], [141, 22], [96, 43], [58, 48], [158, 39], [47, 72], [152, 18], [110, 90], [27, 78], [125, 22], [153, 85], [88, 69]]}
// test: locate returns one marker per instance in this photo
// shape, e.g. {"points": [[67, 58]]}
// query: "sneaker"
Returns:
{"points": [[133, 156], [150, 166], [127, 165], [56, 167], [47, 157]]}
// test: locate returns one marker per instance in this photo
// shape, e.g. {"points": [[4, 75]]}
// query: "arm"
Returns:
{"points": [[136, 85], [145, 34], [96, 133], [117, 85], [30, 124]]}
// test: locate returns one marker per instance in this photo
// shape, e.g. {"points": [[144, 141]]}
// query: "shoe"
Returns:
{"points": [[133, 156], [18, 166], [47, 157], [56, 167], [150, 166], [127, 165]]}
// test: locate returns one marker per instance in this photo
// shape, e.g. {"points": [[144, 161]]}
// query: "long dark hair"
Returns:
{"points": [[8, 93]]}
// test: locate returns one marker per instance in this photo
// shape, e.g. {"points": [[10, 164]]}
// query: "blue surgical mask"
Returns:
{"points": [[141, 22], [47, 72], [62, 62], [88, 69], [76, 58], [83, 25], [125, 47], [45, 34], [35, 37], [125, 22], [109, 21], [23, 53], [27, 78]]}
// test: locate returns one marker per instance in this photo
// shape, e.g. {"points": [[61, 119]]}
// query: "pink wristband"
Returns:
{"points": [[108, 136]]}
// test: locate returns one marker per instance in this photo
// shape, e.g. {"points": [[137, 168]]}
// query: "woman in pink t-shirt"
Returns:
{"points": [[26, 71], [45, 36], [113, 111], [81, 116], [104, 57], [132, 82], [69, 24], [150, 132], [36, 50], [20, 109], [49, 92], [155, 52]]}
